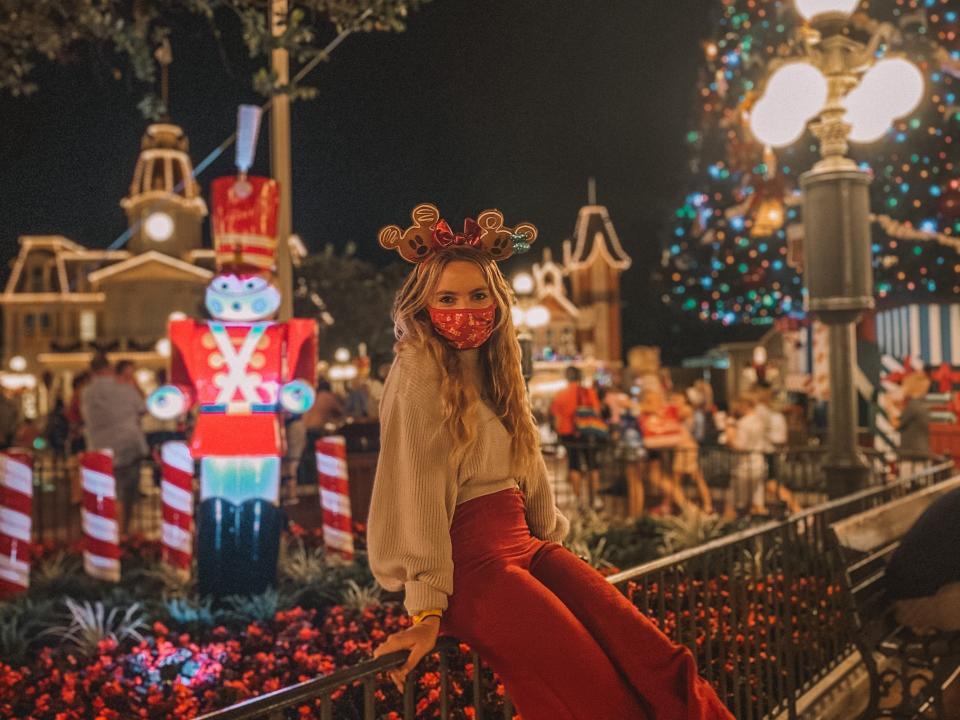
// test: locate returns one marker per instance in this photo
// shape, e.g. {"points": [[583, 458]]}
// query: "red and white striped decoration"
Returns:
{"points": [[176, 492], [101, 534], [16, 517], [335, 495]]}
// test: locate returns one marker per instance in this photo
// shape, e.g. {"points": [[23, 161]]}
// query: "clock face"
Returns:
{"points": [[158, 226]]}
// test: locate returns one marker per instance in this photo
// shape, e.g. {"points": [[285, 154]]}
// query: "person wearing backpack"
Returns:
{"points": [[577, 420]]}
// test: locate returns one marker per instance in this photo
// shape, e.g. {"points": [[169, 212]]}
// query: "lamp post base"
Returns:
{"points": [[846, 475]]}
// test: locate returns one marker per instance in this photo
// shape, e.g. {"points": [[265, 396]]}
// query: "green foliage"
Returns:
{"points": [[129, 34], [299, 564], [690, 528], [247, 608], [21, 622], [190, 612], [90, 624], [606, 542], [587, 537], [355, 294], [159, 579], [633, 543], [358, 598], [61, 574]]}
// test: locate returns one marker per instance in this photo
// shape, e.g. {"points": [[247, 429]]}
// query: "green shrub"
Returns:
{"points": [[90, 624]]}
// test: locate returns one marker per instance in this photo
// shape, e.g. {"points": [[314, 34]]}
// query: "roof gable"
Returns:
{"points": [[594, 237], [151, 265]]}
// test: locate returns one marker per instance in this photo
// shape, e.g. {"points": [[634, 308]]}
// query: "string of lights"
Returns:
{"points": [[733, 255]]}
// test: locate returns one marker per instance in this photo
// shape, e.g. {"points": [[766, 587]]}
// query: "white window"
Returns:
{"points": [[88, 325]]}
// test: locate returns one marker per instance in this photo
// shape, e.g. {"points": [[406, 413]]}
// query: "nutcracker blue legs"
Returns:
{"points": [[238, 525]]}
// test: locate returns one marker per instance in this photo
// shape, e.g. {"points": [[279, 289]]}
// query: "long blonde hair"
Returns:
{"points": [[499, 360]]}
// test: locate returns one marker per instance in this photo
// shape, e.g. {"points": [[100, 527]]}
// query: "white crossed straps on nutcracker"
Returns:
{"points": [[237, 361]]}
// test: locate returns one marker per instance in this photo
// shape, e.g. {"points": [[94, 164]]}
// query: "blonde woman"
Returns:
{"points": [[462, 516]]}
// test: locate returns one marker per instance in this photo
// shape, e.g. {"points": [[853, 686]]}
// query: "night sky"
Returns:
{"points": [[503, 103]]}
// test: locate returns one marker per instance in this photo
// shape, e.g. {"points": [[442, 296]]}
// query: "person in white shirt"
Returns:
{"points": [[775, 424], [747, 436]]}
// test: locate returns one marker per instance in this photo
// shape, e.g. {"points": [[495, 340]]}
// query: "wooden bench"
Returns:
{"points": [[900, 663]]}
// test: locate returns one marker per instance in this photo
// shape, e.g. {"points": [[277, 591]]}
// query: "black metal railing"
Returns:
{"points": [[760, 610], [775, 483], [793, 474]]}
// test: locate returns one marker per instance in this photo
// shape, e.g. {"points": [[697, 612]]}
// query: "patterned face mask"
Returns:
{"points": [[465, 328]]}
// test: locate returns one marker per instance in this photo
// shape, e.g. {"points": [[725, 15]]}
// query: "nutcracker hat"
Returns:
{"points": [[244, 222], [430, 234]]}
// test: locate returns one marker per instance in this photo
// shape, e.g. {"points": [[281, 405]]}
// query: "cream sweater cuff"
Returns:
{"points": [[420, 596]]}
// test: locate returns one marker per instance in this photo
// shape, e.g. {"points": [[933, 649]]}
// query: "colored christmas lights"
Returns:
{"points": [[726, 257]]}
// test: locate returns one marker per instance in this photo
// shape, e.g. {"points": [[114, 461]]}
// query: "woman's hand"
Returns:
{"points": [[419, 639]]}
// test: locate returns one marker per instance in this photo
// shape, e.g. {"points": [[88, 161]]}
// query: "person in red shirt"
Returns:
{"points": [[582, 452]]}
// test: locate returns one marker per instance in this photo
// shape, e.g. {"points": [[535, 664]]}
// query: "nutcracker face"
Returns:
{"points": [[243, 298]]}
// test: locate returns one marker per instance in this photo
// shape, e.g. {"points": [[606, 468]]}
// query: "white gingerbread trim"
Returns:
{"points": [[613, 255]]}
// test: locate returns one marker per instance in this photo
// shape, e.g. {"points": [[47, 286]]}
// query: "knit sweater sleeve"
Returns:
{"points": [[543, 516], [414, 490]]}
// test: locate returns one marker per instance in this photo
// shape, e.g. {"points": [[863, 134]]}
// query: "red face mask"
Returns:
{"points": [[465, 328]]}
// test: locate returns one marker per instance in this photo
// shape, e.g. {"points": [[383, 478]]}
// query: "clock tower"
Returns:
{"points": [[165, 210]]}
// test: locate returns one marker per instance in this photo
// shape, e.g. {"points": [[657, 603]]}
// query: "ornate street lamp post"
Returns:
{"points": [[527, 316], [850, 95]]}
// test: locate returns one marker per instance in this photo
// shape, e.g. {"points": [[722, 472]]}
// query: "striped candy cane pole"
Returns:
{"points": [[335, 495], [176, 492], [16, 501], [101, 553]]}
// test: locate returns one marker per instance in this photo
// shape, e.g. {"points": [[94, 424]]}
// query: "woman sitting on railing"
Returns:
{"points": [[463, 518]]}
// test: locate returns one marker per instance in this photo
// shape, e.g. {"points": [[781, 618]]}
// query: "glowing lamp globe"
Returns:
{"points": [[341, 355], [177, 315], [163, 347], [759, 355], [158, 226], [810, 9], [523, 284], [18, 363], [867, 124], [775, 125], [893, 87], [518, 315], [799, 87], [538, 316]]}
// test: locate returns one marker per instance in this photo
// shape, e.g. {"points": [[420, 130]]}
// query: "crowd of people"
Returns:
{"points": [[661, 429], [658, 430]]}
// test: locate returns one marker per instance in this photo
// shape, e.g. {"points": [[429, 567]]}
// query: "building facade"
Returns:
{"points": [[64, 302], [582, 295]]}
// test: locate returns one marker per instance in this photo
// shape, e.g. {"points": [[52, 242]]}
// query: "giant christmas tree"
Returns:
{"points": [[731, 256]]}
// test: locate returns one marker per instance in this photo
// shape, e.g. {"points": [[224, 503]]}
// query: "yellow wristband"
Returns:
{"points": [[425, 614]]}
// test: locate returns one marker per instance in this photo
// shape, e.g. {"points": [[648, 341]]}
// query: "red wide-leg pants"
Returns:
{"points": [[566, 643]]}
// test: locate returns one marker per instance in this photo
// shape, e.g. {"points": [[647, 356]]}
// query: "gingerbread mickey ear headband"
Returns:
{"points": [[430, 234]]}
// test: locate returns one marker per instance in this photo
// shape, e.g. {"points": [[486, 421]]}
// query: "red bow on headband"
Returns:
{"points": [[444, 236]]}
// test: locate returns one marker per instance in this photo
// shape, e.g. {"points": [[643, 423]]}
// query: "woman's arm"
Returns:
{"points": [[414, 493], [543, 516]]}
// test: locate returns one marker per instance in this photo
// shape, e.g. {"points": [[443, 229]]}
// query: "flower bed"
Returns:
{"points": [[147, 647], [180, 657]]}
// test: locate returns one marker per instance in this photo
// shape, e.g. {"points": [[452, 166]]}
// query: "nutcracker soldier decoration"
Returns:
{"points": [[242, 371]]}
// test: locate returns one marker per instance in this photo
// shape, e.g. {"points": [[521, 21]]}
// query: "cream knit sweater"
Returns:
{"points": [[416, 490]]}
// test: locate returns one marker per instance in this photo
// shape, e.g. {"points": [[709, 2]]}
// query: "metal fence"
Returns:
{"points": [[775, 483], [791, 478], [760, 610], [58, 499]]}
